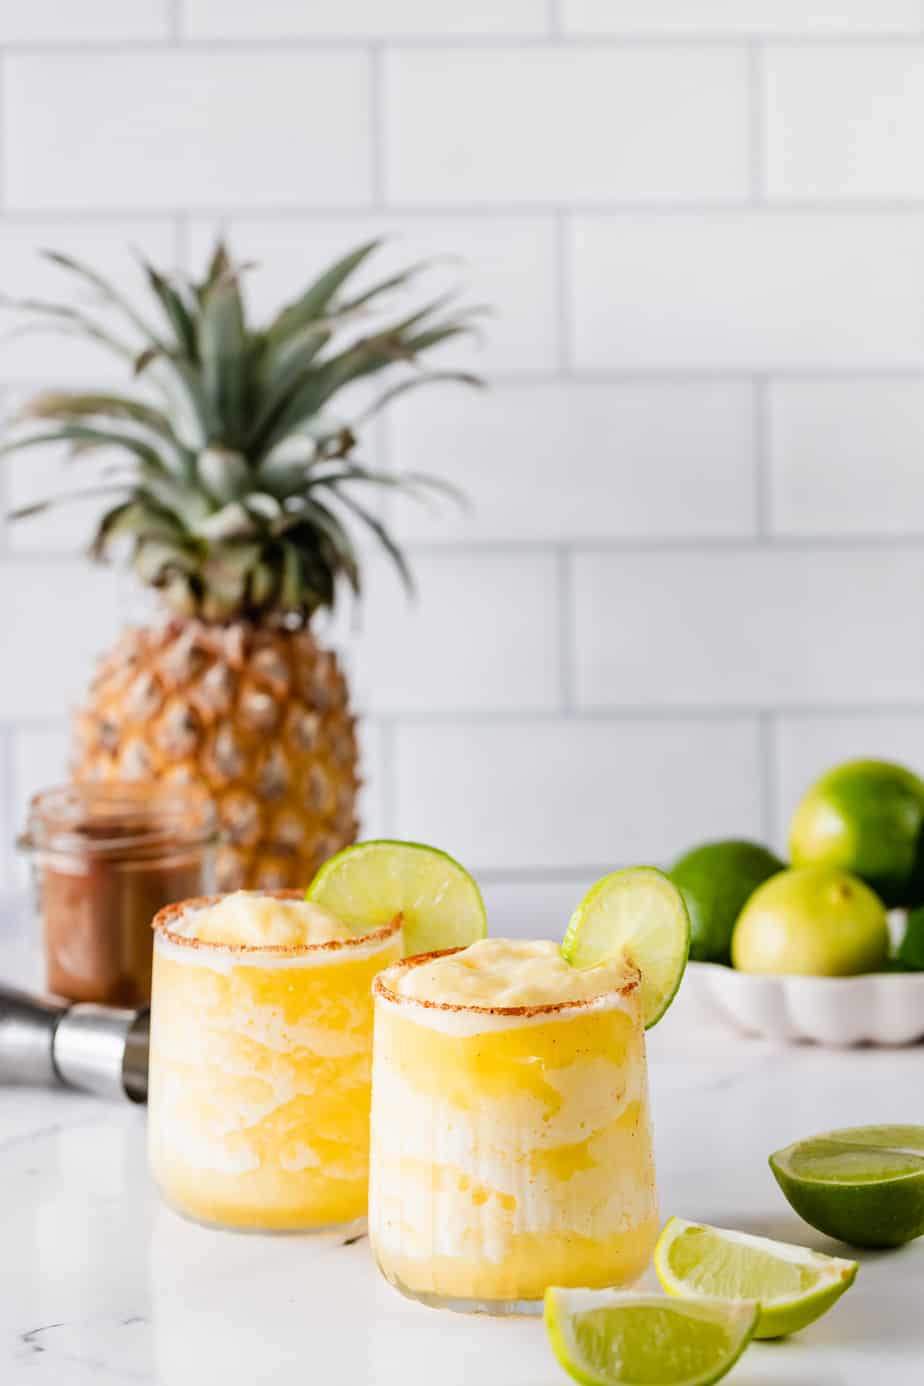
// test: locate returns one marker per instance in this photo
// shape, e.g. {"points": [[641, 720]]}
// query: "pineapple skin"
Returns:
{"points": [[256, 714]]}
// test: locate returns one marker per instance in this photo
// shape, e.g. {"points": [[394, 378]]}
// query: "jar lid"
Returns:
{"points": [[117, 819]]}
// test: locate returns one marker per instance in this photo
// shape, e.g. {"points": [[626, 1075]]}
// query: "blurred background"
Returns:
{"points": [[692, 576]]}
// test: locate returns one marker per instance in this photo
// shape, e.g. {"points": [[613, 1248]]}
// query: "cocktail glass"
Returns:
{"points": [[259, 1081], [511, 1147]]}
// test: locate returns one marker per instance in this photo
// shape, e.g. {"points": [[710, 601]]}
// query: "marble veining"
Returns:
{"points": [[100, 1285]]}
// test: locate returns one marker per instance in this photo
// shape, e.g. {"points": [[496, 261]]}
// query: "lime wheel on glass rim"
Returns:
{"points": [[640, 914], [368, 884]]}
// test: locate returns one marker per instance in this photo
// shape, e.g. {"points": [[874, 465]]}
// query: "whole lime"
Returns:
{"points": [[867, 817], [716, 881], [815, 921], [909, 956]]}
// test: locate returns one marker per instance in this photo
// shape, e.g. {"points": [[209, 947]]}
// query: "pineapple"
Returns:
{"points": [[235, 499]]}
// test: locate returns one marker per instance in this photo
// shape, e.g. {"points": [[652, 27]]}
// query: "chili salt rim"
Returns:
{"points": [[166, 916], [381, 988]]}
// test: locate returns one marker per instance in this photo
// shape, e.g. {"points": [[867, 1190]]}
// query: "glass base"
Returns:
{"points": [[350, 1231], [500, 1308]]}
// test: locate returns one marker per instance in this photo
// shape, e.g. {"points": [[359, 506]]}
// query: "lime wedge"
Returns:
{"points": [[794, 1286], [638, 912], [617, 1338], [368, 884], [863, 1185]]}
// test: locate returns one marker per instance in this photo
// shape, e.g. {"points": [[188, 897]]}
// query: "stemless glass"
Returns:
{"points": [[511, 1147], [259, 1079]]}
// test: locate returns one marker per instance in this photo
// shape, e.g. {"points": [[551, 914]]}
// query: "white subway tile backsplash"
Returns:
{"points": [[861, 138], [50, 358], [373, 769], [55, 618], [51, 21], [806, 746], [748, 290], [237, 19], [571, 794], [187, 129], [50, 474], [473, 254], [696, 473], [557, 125], [40, 760], [846, 456], [697, 17], [576, 460], [533, 908], [67, 527], [482, 632], [777, 626]]}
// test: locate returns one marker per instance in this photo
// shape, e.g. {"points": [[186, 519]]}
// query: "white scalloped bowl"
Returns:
{"points": [[878, 1008]]}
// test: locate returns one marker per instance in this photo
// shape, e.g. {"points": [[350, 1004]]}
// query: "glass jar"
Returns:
{"points": [[259, 1075], [105, 859], [511, 1147]]}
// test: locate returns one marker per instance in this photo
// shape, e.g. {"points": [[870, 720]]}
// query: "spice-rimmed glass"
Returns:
{"points": [[511, 1147], [259, 1082]]}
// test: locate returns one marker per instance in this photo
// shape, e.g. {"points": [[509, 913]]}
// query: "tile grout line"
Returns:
{"points": [[388, 758], [768, 777], [377, 139], [181, 242], [283, 42], [6, 551], [460, 718], [756, 132], [175, 24], [564, 297], [617, 546], [7, 797], [567, 641], [763, 493], [665, 377], [4, 135], [524, 209]]}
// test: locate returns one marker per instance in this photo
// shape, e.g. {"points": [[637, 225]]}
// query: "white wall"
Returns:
{"points": [[695, 571]]}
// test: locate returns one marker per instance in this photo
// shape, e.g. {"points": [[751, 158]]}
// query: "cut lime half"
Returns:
{"points": [[368, 884], [617, 1338], [641, 914], [863, 1185], [793, 1285]]}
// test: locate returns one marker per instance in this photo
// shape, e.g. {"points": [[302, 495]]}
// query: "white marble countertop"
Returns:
{"points": [[100, 1284]]}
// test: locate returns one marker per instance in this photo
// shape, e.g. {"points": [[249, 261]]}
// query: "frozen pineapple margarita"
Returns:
{"points": [[259, 1080], [511, 1143]]}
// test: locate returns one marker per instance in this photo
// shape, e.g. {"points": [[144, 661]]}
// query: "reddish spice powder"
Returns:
{"points": [[106, 858]]}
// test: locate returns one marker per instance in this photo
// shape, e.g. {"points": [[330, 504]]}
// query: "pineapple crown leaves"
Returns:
{"points": [[238, 492]]}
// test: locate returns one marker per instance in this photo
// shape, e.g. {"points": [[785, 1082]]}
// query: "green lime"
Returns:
{"points": [[793, 1286], [717, 880], [617, 1338], [867, 817], [815, 921], [863, 1185], [368, 884], [638, 912], [909, 956]]}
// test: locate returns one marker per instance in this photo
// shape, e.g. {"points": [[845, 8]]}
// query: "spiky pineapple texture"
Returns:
{"points": [[256, 715], [240, 488]]}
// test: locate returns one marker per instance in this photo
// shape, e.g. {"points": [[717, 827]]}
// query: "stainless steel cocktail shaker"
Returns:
{"points": [[98, 1049]]}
